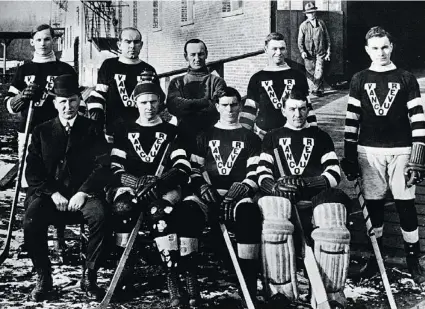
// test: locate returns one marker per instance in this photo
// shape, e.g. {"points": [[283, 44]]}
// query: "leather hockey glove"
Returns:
{"points": [[208, 194], [148, 193], [172, 179], [350, 168], [287, 190], [236, 192], [414, 172], [21, 100], [312, 186], [128, 180]]}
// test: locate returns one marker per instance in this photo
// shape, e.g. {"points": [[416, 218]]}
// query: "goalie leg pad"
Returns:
{"points": [[332, 246], [278, 256]]}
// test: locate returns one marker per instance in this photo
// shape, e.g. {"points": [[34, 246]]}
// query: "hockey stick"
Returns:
{"points": [[371, 233], [310, 263], [5, 251], [111, 289], [234, 258]]}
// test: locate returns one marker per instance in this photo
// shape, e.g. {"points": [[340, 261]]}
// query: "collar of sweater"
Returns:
{"points": [[282, 67], [44, 58], [289, 126], [227, 126], [148, 123], [129, 61], [198, 72], [382, 68]]}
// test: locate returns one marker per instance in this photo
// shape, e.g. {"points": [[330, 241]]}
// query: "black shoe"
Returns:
{"points": [[43, 286], [416, 270], [192, 286], [89, 285], [173, 288], [279, 300]]}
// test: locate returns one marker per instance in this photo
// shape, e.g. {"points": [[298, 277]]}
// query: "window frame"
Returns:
{"points": [[232, 12]]}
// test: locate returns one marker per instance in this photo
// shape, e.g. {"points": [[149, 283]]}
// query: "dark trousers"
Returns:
{"points": [[41, 212]]}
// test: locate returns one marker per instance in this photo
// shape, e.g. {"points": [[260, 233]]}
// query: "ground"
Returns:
{"points": [[218, 284]]}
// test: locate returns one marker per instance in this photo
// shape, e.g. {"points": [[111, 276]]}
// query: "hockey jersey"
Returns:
{"points": [[228, 155], [113, 94], [267, 91], [42, 74], [138, 150], [308, 152], [384, 111]]}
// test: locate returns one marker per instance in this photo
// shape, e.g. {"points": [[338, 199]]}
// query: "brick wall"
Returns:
{"points": [[225, 36]]}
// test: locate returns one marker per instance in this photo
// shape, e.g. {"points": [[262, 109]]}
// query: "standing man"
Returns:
{"points": [[67, 168], [385, 144], [269, 88], [190, 96], [298, 164], [112, 102], [229, 154], [32, 82], [315, 47]]}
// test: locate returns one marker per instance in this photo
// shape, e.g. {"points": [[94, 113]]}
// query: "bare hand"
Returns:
{"points": [[60, 201], [77, 201], [304, 55]]}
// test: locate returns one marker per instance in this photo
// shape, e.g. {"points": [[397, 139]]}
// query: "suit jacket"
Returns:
{"points": [[57, 162]]}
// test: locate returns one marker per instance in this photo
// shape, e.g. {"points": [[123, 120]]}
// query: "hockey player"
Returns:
{"points": [[112, 102], [32, 82], [298, 164], [269, 88], [385, 106], [190, 96], [136, 155], [224, 162]]}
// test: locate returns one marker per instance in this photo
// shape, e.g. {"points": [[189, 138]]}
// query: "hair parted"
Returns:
{"points": [[378, 32], [227, 92], [194, 41], [129, 28], [41, 28], [274, 36]]}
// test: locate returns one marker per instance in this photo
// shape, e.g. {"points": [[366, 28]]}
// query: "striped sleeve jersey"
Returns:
{"points": [[113, 94], [42, 74], [308, 152], [138, 150], [228, 155], [384, 111], [267, 91]]}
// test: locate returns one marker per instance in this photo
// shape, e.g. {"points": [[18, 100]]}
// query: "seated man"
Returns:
{"points": [[66, 171], [303, 159], [139, 151], [224, 162]]}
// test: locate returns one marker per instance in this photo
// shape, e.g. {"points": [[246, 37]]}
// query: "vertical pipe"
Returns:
{"points": [[4, 61]]}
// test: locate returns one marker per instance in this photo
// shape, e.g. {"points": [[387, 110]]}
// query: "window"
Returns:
{"points": [[231, 7], [70, 36], [156, 15], [186, 16]]}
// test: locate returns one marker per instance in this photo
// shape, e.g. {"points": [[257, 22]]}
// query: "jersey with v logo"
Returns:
{"points": [[125, 98], [147, 157], [49, 86], [381, 109], [268, 86], [297, 168], [224, 168]]}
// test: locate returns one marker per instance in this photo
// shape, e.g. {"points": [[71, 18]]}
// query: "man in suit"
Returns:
{"points": [[67, 170]]}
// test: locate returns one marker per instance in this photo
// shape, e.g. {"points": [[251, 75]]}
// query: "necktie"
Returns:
{"points": [[68, 128]]}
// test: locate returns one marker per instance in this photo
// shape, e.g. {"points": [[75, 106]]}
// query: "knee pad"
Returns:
{"points": [[123, 208], [123, 202], [332, 241], [168, 248], [161, 217], [278, 256], [248, 222]]}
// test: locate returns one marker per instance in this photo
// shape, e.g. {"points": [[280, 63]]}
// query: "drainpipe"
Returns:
{"points": [[4, 60]]}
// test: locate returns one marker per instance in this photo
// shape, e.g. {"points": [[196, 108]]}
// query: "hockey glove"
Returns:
{"points": [[32, 92], [208, 194], [271, 187], [350, 168], [148, 193], [236, 192], [313, 185], [17, 103], [128, 180], [414, 172], [172, 179]]}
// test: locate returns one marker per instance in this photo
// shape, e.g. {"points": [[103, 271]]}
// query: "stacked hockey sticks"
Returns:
{"points": [[234, 259], [310, 263], [110, 292], [5, 251], [371, 233]]}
